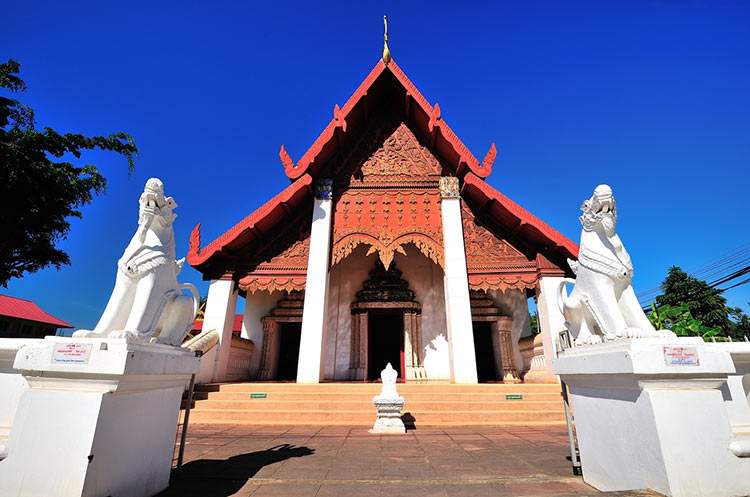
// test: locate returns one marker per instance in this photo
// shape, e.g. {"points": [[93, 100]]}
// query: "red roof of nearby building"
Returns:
{"points": [[236, 326], [26, 309]]}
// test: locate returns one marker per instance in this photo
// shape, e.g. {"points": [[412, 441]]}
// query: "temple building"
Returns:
{"points": [[387, 246]]}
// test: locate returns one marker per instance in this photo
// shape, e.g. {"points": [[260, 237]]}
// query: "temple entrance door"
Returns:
{"points": [[484, 351], [385, 343], [289, 351]]}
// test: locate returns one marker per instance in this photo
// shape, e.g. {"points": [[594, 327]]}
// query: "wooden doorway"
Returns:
{"points": [[385, 342], [289, 339], [484, 351]]}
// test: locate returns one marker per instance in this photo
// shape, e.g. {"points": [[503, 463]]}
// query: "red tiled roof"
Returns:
{"points": [[514, 217], [26, 309], [425, 116], [236, 327], [254, 226]]}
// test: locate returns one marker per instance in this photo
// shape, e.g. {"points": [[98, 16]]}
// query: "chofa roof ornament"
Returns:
{"points": [[386, 52]]}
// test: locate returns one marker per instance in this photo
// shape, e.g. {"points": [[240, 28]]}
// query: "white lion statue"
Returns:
{"points": [[602, 305], [147, 302]]}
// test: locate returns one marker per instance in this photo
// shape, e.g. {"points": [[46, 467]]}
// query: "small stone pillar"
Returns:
{"points": [[388, 405], [99, 417]]}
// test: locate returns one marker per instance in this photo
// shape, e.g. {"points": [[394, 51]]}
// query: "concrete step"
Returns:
{"points": [[374, 388], [367, 418], [430, 404], [367, 397], [315, 404]]}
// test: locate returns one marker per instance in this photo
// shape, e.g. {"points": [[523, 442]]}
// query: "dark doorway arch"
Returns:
{"points": [[386, 326]]}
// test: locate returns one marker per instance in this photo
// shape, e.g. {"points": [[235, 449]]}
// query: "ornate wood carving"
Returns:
{"points": [[387, 195], [388, 220], [493, 263], [386, 290], [483, 309], [282, 263]]}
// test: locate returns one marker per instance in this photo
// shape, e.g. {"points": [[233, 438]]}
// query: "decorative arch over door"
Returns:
{"points": [[386, 220], [385, 291]]}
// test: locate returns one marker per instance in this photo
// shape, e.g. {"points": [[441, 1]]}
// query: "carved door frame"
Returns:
{"points": [[269, 361], [501, 325], [412, 326]]}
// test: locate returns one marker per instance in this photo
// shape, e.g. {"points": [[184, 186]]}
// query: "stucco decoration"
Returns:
{"points": [[603, 305], [147, 302], [388, 405]]}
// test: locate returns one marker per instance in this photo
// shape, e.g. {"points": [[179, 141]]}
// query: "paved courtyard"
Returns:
{"points": [[320, 461]]}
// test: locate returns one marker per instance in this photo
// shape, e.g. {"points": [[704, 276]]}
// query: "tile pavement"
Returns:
{"points": [[319, 461]]}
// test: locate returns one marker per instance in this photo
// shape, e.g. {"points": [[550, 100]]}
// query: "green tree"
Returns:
{"points": [[39, 191], [534, 322], [706, 306]]}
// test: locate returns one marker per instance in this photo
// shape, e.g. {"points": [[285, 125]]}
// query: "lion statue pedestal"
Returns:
{"points": [[99, 415], [147, 302]]}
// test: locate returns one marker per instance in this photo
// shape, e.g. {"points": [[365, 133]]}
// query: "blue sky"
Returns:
{"points": [[649, 97]]}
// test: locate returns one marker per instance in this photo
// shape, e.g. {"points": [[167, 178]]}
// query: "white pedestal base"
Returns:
{"points": [[646, 418], [389, 415], [98, 424]]}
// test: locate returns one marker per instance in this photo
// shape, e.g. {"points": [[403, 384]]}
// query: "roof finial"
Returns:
{"points": [[386, 52]]}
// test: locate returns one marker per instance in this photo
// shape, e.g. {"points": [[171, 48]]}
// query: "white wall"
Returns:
{"points": [[425, 279], [257, 305], [346, 279], [513, 303]]}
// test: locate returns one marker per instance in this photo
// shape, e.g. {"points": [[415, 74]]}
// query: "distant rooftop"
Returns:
{"points": [[236, 326], [26, 309]]}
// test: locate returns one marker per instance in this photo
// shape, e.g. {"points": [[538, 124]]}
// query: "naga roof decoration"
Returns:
{"points": [[386, 149]]}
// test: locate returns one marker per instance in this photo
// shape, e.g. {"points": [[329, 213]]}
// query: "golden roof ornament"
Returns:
{"points": [[386, 52]]}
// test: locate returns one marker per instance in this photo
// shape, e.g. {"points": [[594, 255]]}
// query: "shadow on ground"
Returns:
{"points": [[409, 421], [221, 478]]}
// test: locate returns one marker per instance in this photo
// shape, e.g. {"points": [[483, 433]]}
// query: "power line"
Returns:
{"points": [[719, 270]]}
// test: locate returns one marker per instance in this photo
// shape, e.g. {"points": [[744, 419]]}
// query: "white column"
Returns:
{"points": [[222, 301], [551, 319], [456, 283], [310, 366]]}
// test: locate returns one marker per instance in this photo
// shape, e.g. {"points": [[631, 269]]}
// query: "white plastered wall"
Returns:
{"points": [[425, 279], [257, 305], [514, 303], [345, 281]]}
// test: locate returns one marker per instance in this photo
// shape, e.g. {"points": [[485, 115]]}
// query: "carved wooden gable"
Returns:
{"points": [[400, 158], [387, 196], [282, 263], [492, 262]]}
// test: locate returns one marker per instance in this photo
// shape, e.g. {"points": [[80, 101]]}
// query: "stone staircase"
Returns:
{"points": [[350, 404]]}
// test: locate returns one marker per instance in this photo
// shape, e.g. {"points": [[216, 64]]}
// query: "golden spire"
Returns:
{"points": [[386, 52]]}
